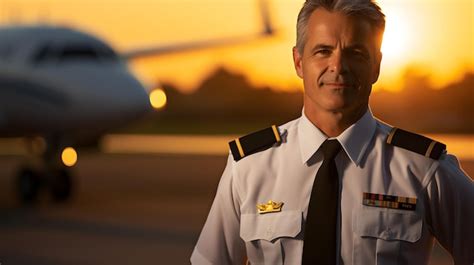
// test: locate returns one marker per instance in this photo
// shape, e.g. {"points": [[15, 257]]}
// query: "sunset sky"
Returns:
{"points": [[434, 36]]}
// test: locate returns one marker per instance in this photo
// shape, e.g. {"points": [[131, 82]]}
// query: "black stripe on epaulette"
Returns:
{"points": [[416, 143], [254, 142]]}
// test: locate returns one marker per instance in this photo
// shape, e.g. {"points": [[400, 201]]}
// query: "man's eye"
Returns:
{"points": [[359, 53], [323, 52]]}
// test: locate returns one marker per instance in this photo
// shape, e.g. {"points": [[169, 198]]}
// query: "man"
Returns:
{"points": [[337, 186]]}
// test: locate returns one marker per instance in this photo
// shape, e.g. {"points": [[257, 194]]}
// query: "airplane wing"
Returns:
{"points": [[189, 46], [267, 30]]}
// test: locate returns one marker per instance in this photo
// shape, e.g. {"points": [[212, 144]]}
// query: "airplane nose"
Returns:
{"points": [[137, 98], [127, 98]]}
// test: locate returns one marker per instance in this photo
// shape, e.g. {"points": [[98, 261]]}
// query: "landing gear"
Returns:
{"points": [[48, 169], [58, 183]]}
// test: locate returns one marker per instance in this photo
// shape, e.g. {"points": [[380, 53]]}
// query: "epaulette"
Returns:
{"points": [[254, 142], [416, 143]]}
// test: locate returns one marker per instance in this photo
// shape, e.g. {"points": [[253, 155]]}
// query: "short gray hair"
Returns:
{"points": [[366, 9]]}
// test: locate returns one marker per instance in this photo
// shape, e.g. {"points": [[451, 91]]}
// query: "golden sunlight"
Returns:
{"points": [[397, 35]]}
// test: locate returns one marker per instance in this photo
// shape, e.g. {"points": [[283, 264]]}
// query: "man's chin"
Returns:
{"points": [[338, 105], [331, 103]]}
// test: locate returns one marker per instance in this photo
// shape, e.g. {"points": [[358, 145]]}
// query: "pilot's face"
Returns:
{"points": [[340, 62]]}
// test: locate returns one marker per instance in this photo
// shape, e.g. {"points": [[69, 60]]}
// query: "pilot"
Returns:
{"points": [[336, 185]]}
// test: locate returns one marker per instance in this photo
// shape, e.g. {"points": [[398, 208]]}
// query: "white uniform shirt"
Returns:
{"points": [[235, 231]]}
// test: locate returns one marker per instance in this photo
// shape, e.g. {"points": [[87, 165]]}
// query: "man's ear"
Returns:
{"points": [[297, 57], [376, 70]]}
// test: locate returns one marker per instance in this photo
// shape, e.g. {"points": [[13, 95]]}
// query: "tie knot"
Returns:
{"points": [[330, 149]]}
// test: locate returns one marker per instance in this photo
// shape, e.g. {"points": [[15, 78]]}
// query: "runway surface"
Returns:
{"points": [[126, 209]]}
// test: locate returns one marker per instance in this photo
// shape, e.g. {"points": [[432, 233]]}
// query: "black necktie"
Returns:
{"points": [[319, 246]]}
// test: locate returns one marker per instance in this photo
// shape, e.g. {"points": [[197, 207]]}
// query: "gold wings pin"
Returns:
{"points": [[269, 207]]}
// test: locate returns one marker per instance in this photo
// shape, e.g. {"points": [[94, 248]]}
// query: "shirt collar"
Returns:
{"points": [[354, 140], [310, 138]]}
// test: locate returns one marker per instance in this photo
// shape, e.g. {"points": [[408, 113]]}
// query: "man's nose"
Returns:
{"points": [[337, 64]]}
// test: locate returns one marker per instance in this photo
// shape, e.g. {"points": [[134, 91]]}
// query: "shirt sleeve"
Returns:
{"points": [[220, 242], [450, 210]]}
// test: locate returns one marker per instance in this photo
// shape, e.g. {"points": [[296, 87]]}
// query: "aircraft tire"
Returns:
{"points": [[61, 186], [28, 184]]}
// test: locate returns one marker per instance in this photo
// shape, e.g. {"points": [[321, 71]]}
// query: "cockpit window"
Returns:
{"points": [[82, 52], [74, 52]]}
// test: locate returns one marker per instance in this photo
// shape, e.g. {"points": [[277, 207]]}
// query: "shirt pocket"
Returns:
{"points": [[380, 233], [262, 234]]}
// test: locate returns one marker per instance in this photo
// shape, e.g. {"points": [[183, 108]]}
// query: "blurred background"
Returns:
{"points": [[115, 114]]}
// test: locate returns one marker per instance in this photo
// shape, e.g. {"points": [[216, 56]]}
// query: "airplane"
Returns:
{"points": [[61, 89]]}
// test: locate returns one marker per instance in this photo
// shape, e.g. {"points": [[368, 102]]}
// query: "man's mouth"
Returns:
{"points": [[337, 85]]}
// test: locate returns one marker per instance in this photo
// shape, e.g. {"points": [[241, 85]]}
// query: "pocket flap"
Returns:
{"points": [[389, 225], [270, 226]]}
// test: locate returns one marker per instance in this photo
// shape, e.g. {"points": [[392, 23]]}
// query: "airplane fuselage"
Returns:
{"points": [[64, 82]]}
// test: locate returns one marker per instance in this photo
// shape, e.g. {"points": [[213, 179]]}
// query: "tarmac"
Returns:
{"points": [[126, 209]]}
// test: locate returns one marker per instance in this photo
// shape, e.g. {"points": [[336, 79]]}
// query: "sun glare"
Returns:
{"points": [[396, 37]]}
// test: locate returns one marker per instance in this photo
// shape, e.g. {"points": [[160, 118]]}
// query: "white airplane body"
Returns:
{"points": [[58, 81]]}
